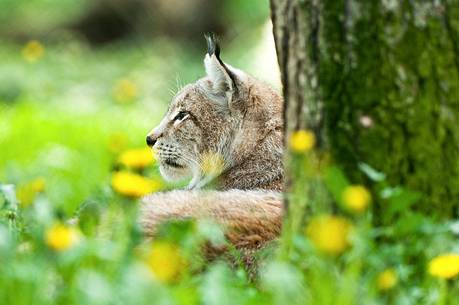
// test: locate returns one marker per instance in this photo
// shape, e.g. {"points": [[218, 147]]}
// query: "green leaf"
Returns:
{"points": [[336, 182], [176, 230], [399, 199], [411, 222], [372, 173]]}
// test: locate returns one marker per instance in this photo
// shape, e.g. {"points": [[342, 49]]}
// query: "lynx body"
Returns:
{"points": [[225, 128]]}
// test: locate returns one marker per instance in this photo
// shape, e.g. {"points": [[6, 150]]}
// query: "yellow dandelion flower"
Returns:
{"points": [[133, 185], [356, 198], [445, 266], [38, 185], [117, 142], [386, 279], [33, 51], [125, 91], [330, 234], [212, 164], [302, 141], [28, 192], [61, 237], [137, 158], [165, 261]]}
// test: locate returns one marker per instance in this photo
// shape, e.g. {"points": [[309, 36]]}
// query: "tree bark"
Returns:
{"points": [[296, 37], [378, 82]]}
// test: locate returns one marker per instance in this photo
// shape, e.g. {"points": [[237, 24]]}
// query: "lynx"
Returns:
{"points": [[224, 130]]}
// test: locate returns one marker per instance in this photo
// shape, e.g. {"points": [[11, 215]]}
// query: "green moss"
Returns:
{"points": [[403, 75]]}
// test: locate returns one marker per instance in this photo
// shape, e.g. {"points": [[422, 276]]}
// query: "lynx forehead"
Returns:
{"points": [[226, 118]]}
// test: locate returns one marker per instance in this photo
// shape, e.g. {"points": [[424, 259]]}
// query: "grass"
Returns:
{"points": [[61, 122]]}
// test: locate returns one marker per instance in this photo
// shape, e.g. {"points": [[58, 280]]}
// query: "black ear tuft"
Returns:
{"points": [[213, 48], [212, 45]]}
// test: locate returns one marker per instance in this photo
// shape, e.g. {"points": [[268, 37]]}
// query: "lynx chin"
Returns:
{"points": [[226, 128]]}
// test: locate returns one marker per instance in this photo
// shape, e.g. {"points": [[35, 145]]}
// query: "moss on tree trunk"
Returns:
{"points": [[378, 81]]}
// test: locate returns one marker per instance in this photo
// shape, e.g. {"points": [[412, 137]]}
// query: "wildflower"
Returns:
{"points": [[137, 158], [165, 261], [302, 141], [38, 185], [26, 193], [61, 237], [212, 164], [117, 142], [329, 233], [356, 198], [445, 266], [133, 185], [386, 279], [33, 51], [125, 91]]}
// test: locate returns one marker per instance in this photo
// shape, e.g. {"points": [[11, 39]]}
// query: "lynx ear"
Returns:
{"points": [[222, 78]]}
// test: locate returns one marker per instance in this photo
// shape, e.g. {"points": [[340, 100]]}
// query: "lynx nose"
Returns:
{"points": [[151, 140]]}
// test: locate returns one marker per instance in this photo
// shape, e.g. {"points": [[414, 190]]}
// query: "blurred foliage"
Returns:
{"points": [[338, 257], [33, 17], [73, 117], [105, 21]]}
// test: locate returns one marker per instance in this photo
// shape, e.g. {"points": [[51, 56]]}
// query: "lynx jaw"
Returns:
{"points": [[171, 170], [173, 163]]}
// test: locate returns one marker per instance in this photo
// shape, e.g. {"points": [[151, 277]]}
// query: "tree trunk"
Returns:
{"points": [[296, 37], [378, 82]]}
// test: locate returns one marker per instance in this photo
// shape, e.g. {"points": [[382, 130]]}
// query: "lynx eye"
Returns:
{"points": [[180, 116]]}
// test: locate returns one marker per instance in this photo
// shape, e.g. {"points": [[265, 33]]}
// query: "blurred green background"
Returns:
{"points": [[76, 76], [81, 84]]}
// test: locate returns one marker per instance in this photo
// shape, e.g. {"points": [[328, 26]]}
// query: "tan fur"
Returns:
{"points": [[237, 118], [251, 217]]}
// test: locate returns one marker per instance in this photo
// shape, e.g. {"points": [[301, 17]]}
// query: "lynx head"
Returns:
{"points": [[203, 121]]}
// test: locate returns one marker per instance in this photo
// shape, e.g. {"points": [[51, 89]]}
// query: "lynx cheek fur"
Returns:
{"points": [[234, 122]]}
